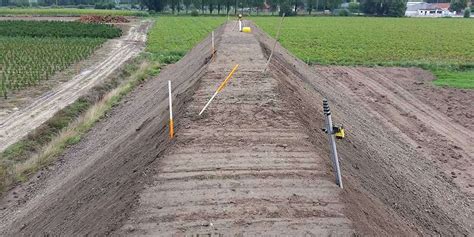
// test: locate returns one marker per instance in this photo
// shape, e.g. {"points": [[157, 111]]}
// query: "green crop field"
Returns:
{"points": [[444, 46], [172, 37], [67, 12], [26, 60], [57, 29]]}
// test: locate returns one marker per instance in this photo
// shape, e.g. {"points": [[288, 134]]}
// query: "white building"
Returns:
{"points": [[421, 9]]}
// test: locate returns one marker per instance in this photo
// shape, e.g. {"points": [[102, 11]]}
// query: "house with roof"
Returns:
{"points": [[423, 9]]}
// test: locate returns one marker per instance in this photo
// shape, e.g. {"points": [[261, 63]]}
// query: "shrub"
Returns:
{"points": [[467, 12], [104, 5], [286, 8], [354, 7], [194, 13], [343, 12]]}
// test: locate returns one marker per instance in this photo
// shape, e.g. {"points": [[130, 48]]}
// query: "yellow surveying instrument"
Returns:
{"points": [[339, 132]]}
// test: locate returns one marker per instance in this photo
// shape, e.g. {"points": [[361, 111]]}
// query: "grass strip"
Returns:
{"points": [[66, 128]]}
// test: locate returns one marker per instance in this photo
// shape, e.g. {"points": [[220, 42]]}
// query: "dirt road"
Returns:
{"points": [[246, 167], [17, 124]]}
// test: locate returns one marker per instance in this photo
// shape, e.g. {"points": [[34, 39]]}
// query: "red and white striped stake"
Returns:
{"points": [[223, 84], [171, 111]]}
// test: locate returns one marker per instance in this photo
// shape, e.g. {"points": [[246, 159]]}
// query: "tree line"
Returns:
{"points": [[289, 7]]}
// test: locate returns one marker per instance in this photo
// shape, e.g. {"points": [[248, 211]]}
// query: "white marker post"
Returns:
{"points": [[223, 84], [171, 111], [212, 44], [240, 22]]}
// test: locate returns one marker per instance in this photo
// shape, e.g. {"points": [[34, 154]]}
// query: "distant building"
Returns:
{"points": [[428, 9]]}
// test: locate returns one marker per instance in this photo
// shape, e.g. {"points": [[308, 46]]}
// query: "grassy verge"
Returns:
{"points": [[372, 41], [66, 128], [67, 12], [171, 37]]}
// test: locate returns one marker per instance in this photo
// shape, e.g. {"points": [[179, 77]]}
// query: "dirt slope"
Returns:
{"points": [[96, 182], [19, 123], [393, 187], [437, 121], [246, 167], [257, 162]]}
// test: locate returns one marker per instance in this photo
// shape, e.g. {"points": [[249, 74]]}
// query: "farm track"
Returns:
{"points": [[257, 162], [18, 124]]}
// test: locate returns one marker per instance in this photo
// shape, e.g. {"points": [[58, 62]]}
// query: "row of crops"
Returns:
{"points": [[34, 51], [57, 29]]}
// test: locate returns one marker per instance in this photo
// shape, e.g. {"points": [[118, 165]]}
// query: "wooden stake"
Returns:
{"points": [[274, 45]]}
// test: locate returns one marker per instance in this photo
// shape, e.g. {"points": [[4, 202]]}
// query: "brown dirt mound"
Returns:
{"points": [[103, 19]]}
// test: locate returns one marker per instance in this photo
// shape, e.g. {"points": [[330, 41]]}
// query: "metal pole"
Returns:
{"points": [[332, 142]]}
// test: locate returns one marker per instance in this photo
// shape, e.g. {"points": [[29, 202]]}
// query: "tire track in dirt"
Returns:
{"points": [[246, 167], [19, 123]]}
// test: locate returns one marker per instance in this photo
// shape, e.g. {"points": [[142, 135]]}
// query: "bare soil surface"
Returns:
{"points": [[95, 184], [26, 110], [438, 121], [246, 167], [257, 162], [393, 186]]}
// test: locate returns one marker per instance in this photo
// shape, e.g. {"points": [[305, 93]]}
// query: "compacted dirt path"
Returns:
{"points": [[17, 124], [245, 167]]}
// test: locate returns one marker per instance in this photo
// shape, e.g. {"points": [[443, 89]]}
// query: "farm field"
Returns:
{"points": [[66, 12], [32, 51], [441, 45], [172, 37]]}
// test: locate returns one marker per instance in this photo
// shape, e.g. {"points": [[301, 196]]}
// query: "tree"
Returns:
{"points": [[285, 8], [458, 5], [273, 5], [354, 7], [394, 8], [153, 5], [187, 4], [397, 8], [467, 12]]}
